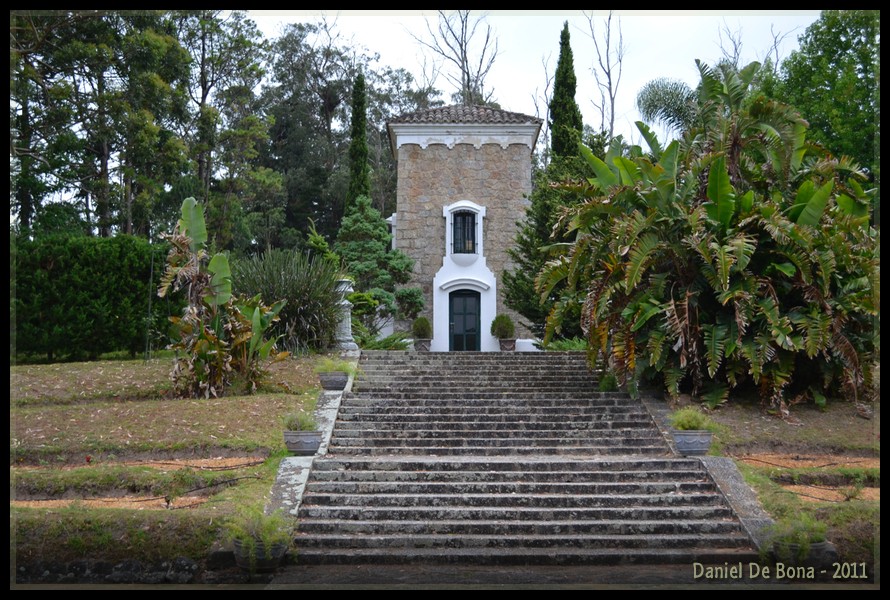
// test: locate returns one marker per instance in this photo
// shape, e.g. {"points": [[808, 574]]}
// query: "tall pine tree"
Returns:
{"points": [[565, 116], [359, 172]]}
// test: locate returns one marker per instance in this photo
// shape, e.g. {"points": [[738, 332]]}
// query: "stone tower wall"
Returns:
{"points": [[429, 178]]}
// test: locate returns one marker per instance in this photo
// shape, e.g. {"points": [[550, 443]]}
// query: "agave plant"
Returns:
{"points": [[737, 255]]}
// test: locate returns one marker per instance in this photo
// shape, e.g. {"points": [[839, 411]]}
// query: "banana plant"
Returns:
{"points": [[221, 340], [734, 257]]}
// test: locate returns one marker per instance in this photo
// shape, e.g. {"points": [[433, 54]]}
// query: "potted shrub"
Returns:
{"points": [[301, 434], [260, 541], [333, 373], [692, 431], [423, 333], [801, 541], [502, 328]]}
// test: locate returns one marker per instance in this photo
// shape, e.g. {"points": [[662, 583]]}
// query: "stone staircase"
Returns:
{"points": [[505, 458]]}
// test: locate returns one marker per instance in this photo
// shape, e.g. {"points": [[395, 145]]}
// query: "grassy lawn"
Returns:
{"points": [[110, 433], [825, 463]]}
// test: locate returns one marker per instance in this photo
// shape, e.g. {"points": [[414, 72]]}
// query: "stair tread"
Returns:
{"points": [[509, 458]]}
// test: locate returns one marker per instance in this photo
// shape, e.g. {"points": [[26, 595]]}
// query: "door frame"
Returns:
{"points": [[464, 293]]}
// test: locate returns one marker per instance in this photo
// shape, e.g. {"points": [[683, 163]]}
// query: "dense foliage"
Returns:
{"points": [[738, 256], [125, 114], [78, 297], [536, 244], [534, 239], [359, 170], [364, 244], [222, 339], [308, 284], [834, 81], [565, 116]]}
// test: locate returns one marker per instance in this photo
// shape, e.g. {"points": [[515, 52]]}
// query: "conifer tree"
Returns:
{"points": [[359, 172], [565, 116], [529, 252]]}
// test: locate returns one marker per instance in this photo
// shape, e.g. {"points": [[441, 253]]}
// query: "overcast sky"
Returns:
{"points": [[657, 44]]}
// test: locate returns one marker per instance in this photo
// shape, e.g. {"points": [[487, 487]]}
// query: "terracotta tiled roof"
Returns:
{"points": [[466, 114]]}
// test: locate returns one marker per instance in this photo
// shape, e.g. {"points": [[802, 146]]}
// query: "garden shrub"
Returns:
{"points": [[76, 297], [308, 284]]}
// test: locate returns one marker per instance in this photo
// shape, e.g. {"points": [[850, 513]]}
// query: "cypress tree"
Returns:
{"points": [[359, 172], [565, 116], [529, 252]]}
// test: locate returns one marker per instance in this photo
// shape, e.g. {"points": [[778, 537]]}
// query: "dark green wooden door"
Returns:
{"points": [[463, 317]]}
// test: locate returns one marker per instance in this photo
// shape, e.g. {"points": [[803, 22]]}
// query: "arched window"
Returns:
{"points": [[463, 238]]}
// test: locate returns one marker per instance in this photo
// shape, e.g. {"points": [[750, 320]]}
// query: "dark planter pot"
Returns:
{"points": [[265, 560], [692, 442], [335, 380], [818, 555], [507, 345], [302, 443], [422, 345]]}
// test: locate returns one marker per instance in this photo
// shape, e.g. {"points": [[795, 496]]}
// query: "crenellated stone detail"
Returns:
{"points": [[490, 175]]}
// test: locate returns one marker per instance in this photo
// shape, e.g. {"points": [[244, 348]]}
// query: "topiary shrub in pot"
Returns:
{"points": [[260, 541], [801, 541], [333, 373], [301, 434], [503, 329], [423, 333], [692, 431]]}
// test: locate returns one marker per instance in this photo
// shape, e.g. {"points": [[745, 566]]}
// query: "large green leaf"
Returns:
{"points": [[628, 170], [804, 193], [746, 202], [786, 268], [812, 212], [639, 259], [192, 223], [724, 261], [851, 207], [647, 311], [743, 248], [747, 73], [220, 281], [605, 177], [720, 193], [651, 139]]}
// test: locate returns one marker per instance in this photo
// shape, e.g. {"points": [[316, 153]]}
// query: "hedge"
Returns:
{"points": [[75, 298]]}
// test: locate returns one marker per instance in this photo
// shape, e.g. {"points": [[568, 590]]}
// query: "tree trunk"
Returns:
{"points": [[24, 194]]}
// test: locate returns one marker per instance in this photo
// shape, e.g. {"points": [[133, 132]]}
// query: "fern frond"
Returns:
{"points": [[655, 346], [715, 342], [716, 395], [639, 259]]}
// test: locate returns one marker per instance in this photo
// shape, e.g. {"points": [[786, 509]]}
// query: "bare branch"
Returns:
{"points": [[772, 53], [544, 97], [733, 52], [608, 68], [451, 41]]}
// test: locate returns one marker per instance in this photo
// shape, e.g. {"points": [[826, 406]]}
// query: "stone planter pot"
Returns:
{"points": [[302, 443], [819, 555], [335, 380], [422, 345], [266, 560], [507, 345], [692, 442]]}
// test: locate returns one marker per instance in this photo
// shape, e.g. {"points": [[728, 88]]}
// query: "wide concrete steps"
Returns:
{"points": [[505, 458]]}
